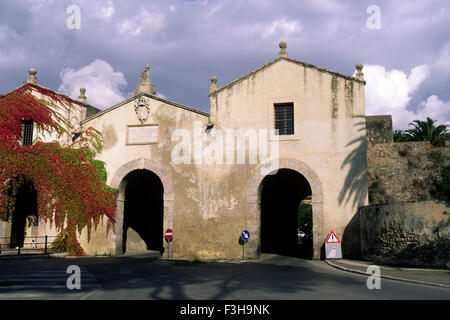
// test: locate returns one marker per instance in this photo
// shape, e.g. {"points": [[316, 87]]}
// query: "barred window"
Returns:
{"points": [[27, 133], [284, 118]]}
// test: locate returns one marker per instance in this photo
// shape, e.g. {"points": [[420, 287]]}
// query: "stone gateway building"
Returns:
{"points": [[282, 133]]}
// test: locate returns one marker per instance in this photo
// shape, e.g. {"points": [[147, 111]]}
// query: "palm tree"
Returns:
{"points": [[427, 131], [400, 136]]}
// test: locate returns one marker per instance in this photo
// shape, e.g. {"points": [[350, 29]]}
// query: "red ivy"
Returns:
{"points": [[71, 189]]}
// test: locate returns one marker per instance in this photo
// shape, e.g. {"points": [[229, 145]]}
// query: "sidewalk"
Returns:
{"points": [[434, 277], [37, 255]]}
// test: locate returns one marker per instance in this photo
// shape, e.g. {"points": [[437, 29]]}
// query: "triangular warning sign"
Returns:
{"points": [[332, 238]]}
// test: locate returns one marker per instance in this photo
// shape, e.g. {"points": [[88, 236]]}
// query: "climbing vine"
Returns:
{"points": [[71, 185]]}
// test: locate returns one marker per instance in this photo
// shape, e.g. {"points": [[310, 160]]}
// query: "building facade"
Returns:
{"points": [[279, 134]]}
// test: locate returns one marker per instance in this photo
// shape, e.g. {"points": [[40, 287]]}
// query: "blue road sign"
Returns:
{"points": [[245, 235]]}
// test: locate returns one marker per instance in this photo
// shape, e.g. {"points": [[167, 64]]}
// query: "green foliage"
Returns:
{"points": [[423, 131], [60, 243], [400, 136], [437, 156], [443, 186], [105, 254], [305, 217], [427, 131], [373, 191], [70, 184], [403, 152]]}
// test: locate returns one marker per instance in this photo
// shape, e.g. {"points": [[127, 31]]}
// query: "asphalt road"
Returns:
{"points": [[275, 277]]}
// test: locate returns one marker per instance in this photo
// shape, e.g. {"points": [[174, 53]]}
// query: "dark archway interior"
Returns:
{"points": [[25, 211], [144, 206], [281, 195]]}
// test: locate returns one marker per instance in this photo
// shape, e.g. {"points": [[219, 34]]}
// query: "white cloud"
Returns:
{"points": [[278, 27], [195, 2], [103, 85], [389, 92], [213, 10], [333, 6], [152, 22], [442, 62], [436, 109], [105, 12]]}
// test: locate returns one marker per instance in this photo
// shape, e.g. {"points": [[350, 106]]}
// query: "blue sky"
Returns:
{"points": [[407, 59]]}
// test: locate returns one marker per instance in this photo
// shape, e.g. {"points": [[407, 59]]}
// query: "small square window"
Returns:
{"points": [[284, 118], [27, 133]]}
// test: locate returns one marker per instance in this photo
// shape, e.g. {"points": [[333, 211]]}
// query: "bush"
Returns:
{"points": [[443, 186], [437, 156]]}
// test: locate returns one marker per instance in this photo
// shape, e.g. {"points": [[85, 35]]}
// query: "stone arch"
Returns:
{"points": [[119, 183], [254, 202]]}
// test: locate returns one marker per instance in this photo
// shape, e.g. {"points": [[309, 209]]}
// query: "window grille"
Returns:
{"points": [[284, 118], [27, 133]]}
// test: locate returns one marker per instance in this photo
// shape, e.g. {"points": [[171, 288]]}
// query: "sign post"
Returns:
{"points": [[245, 235], [169, 236], [333, 247]]}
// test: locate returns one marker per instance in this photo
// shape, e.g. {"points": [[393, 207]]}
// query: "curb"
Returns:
{"points": [[32, 256], [388, 277]]}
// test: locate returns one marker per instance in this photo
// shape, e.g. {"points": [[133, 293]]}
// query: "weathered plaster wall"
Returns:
{"points": [[121, 159], [329, 132], [416, 233], [209, 204], [38, 232], [71, 111]]}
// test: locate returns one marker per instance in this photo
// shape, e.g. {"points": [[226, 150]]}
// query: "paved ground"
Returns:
{"points": [[436, 277], [145, 277]]}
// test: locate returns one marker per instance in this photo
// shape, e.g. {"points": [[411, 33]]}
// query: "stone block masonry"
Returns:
{"points": [[406, 234], [404, 171], [379, 129]]}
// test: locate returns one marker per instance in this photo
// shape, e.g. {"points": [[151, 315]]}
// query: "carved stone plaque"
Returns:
{"points": [[142, 134], [142, 109]]}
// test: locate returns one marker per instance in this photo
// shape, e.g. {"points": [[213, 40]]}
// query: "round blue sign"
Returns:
{"points": [[245, 235]]}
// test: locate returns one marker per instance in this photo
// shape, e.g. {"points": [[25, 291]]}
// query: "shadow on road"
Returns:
{"points": [[145, 278]]}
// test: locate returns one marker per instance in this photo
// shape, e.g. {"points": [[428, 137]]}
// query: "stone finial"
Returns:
{"points": [[283, 52], [213, 84], [82, 97], [146, 85], [359, 73], [32, 77]]}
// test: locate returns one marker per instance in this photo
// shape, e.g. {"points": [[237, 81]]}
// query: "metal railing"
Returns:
{"points": [[36, 244]]}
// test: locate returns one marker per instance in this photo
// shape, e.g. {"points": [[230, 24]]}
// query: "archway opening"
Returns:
{"points": [[143, 212], [25, 213], [283, 214]]}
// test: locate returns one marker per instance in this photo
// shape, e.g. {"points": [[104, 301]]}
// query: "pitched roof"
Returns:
{"points": [[298, 62], [91, 108], [69, 99], [175, 104]]}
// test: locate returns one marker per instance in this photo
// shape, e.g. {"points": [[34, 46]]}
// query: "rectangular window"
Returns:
{"points": [[284, 118], [27, 133]]}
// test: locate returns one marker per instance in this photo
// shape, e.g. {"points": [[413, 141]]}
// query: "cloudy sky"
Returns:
{"points": [[404, 45]]}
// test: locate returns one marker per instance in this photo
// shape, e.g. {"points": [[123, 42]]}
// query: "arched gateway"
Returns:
{"points": [[254, 197], [131, 171]]}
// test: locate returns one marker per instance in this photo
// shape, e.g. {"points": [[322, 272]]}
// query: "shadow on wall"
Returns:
{"points": [[355, 189], [406, 234], [25, 212]]}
